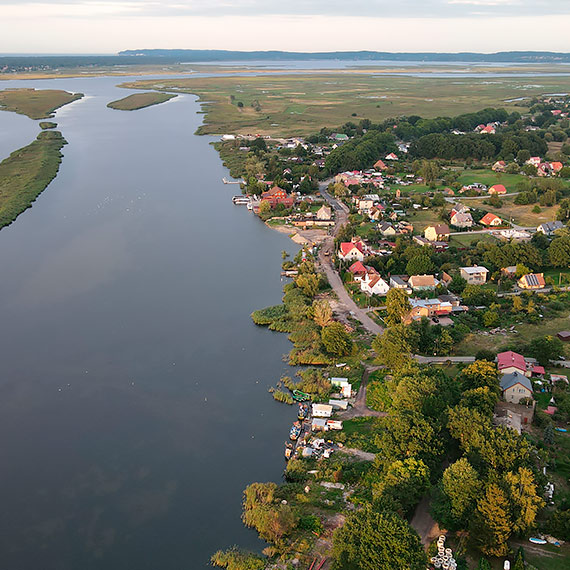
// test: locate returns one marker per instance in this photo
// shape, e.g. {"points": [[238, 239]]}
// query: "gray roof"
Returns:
{"points": [[509, 380], [550, 227]]}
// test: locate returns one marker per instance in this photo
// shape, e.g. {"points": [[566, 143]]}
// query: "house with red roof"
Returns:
{"points": [[276, 196], [497, 189], [358, 270], [354, 250], [391, 156], [490, 220], [499, 166], [509, 362], [534, 161], [556, 167], [379, 165], [373, 284], [488, 130]]}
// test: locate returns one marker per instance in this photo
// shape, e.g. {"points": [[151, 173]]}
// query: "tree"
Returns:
{"points": [[339, 190], [323, 313], [336, 340], [476, 295], [491, 318], [405, 482], [519, 560], [308, 283], [370, 540], [397, 306], [548, 435], [525, 503], [523, 155], [483, 564], [462, 486], [419, 265], [517, 304], [559, 252], [492, 526], [393, 346], [482, 399], [545, 349], [264, 208], [478, 374], [429, 170], [273, 521]]}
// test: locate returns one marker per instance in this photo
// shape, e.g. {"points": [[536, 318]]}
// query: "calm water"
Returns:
{"points": [[133, 387]]}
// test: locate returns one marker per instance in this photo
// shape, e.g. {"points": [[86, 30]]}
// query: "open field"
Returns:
{"points": [[525, 333], [299, 104], [521, 215], [36, 103], [26, 173], [140, 101]]}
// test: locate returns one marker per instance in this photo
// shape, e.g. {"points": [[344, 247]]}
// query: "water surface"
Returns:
{"points": [[133, 394]]}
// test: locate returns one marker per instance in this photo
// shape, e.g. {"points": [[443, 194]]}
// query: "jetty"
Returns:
{"points": [[226, 181]]}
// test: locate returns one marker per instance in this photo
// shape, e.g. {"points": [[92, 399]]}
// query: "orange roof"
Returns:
{"points": [[489, 218], [556, 166], [274, 190], [497, 189], [357, 267]]}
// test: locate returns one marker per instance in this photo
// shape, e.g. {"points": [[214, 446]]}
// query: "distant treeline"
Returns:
{"points": [[469, 57]]}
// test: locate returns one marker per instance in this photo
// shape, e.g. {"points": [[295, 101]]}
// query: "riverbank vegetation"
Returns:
{"points": [[36, 103], [140, 101], [46, 125], [26, 173]]}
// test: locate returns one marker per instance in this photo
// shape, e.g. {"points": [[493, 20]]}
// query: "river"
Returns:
{"points": [[133, 394]]}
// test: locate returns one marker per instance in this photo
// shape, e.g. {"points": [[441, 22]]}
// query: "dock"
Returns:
{"points": [[226, 181]]}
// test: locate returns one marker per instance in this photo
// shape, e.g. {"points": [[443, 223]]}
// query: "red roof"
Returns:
{"points": [[556, 166], [356, 267], [510, 358], [497, 189], [489, 218], [538, 370], [551, 410], [347, 246], [380, 165]]}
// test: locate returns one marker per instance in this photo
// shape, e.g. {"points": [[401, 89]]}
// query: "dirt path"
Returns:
{"points": [[423, 523], [359, 408]]}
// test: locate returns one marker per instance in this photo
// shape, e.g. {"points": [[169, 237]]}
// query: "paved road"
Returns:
{"points": [[326, 255], [442, 359], [455, 199]]}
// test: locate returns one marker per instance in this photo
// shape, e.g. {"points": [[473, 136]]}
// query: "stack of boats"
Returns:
{"points": [[444, 558]]}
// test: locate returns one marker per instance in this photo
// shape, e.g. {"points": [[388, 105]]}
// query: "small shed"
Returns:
{"points": [[564, 336], [339, 404], [319, 424], [334, 424]]}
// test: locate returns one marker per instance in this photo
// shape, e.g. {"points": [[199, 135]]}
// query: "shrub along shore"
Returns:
{"points": [[27, 172]]}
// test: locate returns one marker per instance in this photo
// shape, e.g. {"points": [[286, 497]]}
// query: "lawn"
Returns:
{"points": [[466, 240], [303, 103], [36, 103], [26, 173], [140, 101], [521, 215], [490, 178]]}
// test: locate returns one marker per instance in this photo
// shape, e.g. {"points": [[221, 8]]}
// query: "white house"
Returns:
{"points": [[344, 385], [374, 285], [476, 275], [322, 410]]}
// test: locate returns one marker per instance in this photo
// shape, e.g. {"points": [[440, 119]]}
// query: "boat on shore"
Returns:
{"points": [[300, 396], [303, 412], [241, 200], [295, 431]]}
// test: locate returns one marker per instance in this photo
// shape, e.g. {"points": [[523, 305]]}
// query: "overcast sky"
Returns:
{"points": [[106, 26]]}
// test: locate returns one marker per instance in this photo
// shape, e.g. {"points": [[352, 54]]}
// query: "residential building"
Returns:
{"points": [[358, 270], [438, 232], [422, 282], [427, 308], [509, 361], [324, 213], [497, 189], [532, 281], [387, 229], [391, 156], [476, 275], [344, 385], [490, 220], [461, 220], [514, 235], [351, 251], [322, 410], [548, 228], [373, 284], [277, 196], [515, 387], [500, 166], [534, 161], [399, 282], [509, 271], [379, 165]]}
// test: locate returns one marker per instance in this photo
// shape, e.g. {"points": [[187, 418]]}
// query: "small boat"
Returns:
{"points": [[562, 430], [288, 451], [303, 412], [537, 540], [300, 396], [295, 431]]}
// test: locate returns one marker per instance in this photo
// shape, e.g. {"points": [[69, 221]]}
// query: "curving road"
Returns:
{"points": [[326, 255]]}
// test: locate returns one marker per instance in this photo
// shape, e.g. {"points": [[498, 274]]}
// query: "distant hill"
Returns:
{"points": [[196, 55]]}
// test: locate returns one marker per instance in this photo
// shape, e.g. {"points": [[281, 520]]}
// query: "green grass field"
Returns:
{"points": [[299, 104], [140, 101], [26, 173], [36, 103]]}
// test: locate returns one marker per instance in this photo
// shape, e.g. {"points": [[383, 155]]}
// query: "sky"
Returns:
{"points": [[107, 26]]}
